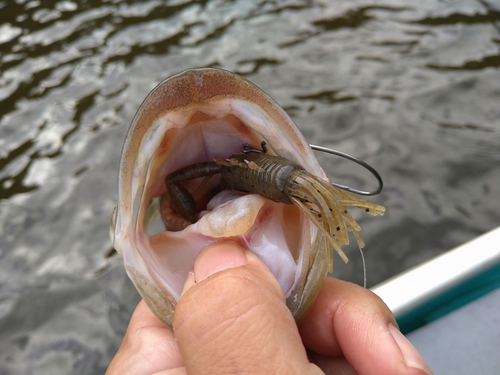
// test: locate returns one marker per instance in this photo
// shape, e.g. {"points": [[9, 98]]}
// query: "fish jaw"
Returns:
{"points": [[220, 113]]}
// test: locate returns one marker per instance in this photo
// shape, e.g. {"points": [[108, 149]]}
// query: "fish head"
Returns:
{"points": [[202, 115]]}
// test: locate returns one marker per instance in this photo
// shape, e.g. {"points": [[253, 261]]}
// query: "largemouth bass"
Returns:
{"points": [[203, 117]]}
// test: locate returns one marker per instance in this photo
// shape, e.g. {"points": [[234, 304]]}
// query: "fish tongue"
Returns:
{"points": [[231, 214]]}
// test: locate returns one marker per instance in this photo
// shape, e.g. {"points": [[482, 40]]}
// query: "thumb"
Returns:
{"points": [[232, 318]]}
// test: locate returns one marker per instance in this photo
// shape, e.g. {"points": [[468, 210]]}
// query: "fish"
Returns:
{"points": [[206, 115]]}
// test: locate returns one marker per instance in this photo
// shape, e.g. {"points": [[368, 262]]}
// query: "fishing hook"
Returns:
{"points": [[246, 148], [357, 161]]}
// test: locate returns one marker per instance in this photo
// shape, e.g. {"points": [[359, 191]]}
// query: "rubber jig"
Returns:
{"points": [[246, 148]]}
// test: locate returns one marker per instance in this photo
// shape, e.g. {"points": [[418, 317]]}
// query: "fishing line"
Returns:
{"points": [[357, 161], [364, 266]]}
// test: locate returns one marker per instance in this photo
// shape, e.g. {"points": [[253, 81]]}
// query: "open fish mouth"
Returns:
{"points": [[202, 115]]}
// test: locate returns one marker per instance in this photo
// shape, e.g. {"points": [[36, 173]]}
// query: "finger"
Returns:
{"points": [[232, 318], [332, 365], [147, 348], [351, 321]]}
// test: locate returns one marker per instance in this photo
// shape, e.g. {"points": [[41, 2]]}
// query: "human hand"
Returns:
{"points": [[234, 320]]}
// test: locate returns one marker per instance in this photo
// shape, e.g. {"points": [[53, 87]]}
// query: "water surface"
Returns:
{"points": [[411, 89]]}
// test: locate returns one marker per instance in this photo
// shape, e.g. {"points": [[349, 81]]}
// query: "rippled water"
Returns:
{"points": [[412, 89]]}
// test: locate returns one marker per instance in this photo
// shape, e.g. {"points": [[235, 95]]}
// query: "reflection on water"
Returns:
{"points": [[411, 89]]}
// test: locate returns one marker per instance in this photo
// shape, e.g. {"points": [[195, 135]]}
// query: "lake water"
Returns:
{"points": [[414, 90]]}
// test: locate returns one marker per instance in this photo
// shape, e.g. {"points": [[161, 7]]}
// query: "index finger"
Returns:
{"points": [[351, 321]]}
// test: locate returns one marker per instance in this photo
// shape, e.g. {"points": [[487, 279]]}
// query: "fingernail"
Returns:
{"points": [[189, 283], [218, 257], [411, 356]]}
